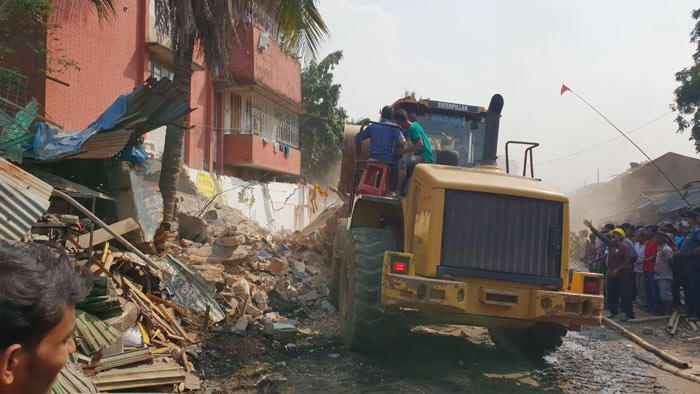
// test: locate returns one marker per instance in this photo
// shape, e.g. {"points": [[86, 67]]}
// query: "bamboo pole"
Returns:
{"points": [[648, 319], [675, 325], [694, 339], [646, 345], [693, 325], [105, 226], [669, 368], [672, 320]]}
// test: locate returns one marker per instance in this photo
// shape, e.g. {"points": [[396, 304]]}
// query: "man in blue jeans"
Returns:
{"points": [[690, 253], [384, 138]]}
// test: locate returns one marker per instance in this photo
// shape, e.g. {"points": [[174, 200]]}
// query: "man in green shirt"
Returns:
{"points": [[420, 146]]}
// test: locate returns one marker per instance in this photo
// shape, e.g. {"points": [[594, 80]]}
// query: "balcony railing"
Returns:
{"points": [[284, 129]]}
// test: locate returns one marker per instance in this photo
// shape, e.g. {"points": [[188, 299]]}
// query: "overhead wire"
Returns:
{"points": [[606, 141]]}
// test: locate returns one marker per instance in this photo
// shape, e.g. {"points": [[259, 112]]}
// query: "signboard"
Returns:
{"points": [[452, 106], [449, 119], [205, 184]]}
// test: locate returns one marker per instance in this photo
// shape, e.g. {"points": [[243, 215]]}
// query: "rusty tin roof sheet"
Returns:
{"points": [[23, 199]]}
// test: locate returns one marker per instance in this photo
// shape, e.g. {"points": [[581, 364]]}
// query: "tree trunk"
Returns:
{"points": [[172, 150]]}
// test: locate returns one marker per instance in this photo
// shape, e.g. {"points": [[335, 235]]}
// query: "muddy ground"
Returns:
{"points": [[435, 359]]}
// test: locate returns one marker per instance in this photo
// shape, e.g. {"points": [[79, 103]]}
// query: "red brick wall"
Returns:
{"points": [[276, 69], [249, 149], [111, 58], [198, 143], [272, 67]]}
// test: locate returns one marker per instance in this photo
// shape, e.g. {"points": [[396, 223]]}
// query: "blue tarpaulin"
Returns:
{"points": [[48, 144]]}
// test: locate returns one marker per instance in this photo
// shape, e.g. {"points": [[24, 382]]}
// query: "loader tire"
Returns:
{"points": [[341, 234], [536, 341], [363, 324]]}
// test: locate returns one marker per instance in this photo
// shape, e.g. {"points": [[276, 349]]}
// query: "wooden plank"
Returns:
{"points": [[101, 235]]}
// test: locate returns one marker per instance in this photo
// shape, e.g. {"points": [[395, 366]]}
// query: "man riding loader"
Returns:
{"points": [[469, 244]]}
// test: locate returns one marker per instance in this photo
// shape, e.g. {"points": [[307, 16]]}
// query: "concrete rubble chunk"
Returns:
{"points": [[326, 306], [312, 270], [193, 228], [260, 298], [231, 241], [241, 288], [253, 311], [309, 296], [241, 325], [280, 331], [277, 266], [298, 266]]}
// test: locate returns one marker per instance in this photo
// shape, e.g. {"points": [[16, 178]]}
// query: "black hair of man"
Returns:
{"points": [[653, 228], [401, 115], [37, 282], [609, 227], [625, 226], [387, 112], [690, 214]]}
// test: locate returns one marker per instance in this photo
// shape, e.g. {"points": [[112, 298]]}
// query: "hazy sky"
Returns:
{"points": [[621, 56]]}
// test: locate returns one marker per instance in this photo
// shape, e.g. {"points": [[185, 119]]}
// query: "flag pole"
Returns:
{"points": [[565, 88]]}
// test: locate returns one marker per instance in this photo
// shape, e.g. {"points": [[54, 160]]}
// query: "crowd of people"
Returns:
{"points": [[658, 265]]}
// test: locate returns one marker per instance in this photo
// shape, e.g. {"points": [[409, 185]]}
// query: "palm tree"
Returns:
{"points": [[211, 24]]}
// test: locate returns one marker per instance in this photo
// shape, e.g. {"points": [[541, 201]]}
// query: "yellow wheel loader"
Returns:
{"points": [[469, 243]]}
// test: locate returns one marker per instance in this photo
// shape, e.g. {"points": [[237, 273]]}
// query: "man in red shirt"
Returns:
{"points": [[650, 249]]}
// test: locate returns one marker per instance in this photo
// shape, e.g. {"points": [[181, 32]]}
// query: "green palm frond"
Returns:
{"points": [[301, 26], [105, 8]]}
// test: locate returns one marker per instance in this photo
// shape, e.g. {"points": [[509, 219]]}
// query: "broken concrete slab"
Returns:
{"points": [[277, 266], [193, 228], [298, 266], [327, 306], [241, 325], [137, 199], [231, 241]]}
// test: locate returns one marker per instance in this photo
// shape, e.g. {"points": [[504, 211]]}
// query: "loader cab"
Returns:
{"points": [[451, 127]]}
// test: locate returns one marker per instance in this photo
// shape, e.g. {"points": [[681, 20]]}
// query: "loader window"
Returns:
{"points": [[455, 133]]}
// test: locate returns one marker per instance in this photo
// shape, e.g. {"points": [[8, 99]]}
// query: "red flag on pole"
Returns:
{"points": [[563, 89]]}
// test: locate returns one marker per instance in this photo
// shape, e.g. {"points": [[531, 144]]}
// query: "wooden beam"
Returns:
{"points": [[102, 235]]}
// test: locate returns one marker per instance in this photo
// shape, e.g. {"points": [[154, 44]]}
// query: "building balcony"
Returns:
{"points": [[257, 60], [259, 153]]}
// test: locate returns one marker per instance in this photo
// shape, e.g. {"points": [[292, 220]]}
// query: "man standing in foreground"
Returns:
{"points": [[38, 293], [619, 278], [423, 151]]}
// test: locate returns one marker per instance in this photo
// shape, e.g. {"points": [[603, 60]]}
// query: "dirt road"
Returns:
{"points": [[444, 359]]}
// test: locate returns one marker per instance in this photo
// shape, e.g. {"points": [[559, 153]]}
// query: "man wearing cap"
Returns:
{"points": [[690, 253], [619, 278]]}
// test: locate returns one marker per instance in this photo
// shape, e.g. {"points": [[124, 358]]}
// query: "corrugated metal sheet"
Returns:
{"points": [[507, 234], [93, 333], [152, 105], [139, 377], [188, 288], [672, 201], [71, 380], [23, 200]]}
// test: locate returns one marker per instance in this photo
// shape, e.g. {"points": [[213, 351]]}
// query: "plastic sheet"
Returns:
{"points": [[49, 142]]}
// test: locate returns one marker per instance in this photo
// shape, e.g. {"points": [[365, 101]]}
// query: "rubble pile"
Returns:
{"points": [[153, 305]]}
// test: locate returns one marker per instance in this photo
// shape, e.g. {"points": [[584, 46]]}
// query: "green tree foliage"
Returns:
{"points": [[688, 93], [321, 129]]}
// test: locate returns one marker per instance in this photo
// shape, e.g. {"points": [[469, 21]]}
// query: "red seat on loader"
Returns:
{"points": [[374, 180]]}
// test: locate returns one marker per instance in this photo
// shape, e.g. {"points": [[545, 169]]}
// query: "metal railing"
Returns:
{"points": [[284, 129]]}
